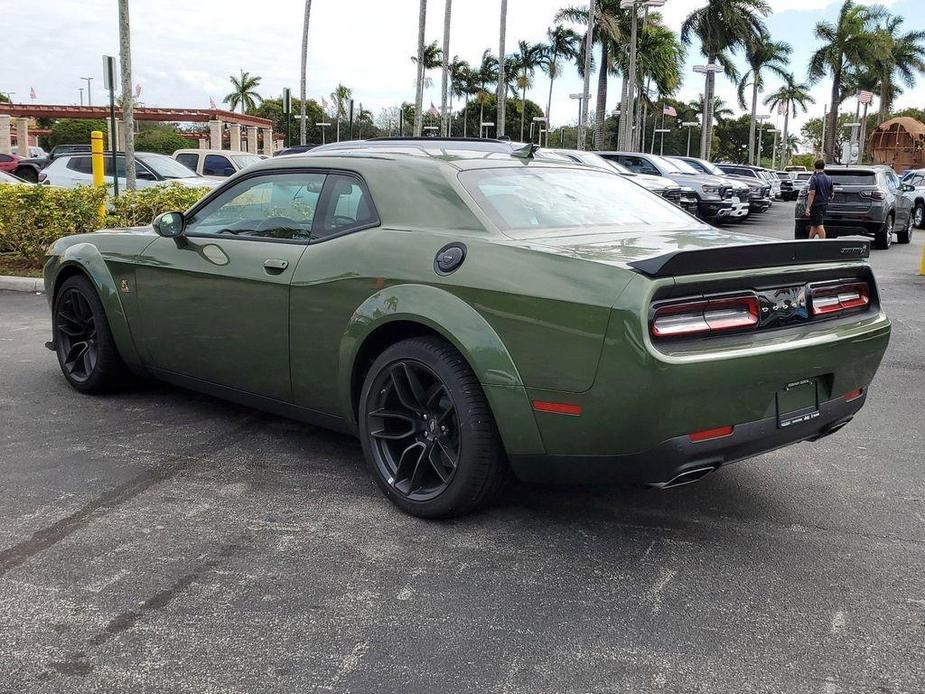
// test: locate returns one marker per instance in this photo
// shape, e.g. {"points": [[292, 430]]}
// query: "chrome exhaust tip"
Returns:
{"points": [[687, 477]]}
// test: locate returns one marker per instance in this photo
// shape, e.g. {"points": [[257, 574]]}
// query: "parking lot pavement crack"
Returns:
{"points": [[43, 539]]}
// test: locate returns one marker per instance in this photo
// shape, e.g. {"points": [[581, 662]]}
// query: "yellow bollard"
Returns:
{"points": [[922, 266], [96, 159]]}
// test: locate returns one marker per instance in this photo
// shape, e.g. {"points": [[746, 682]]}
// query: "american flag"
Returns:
{"points": [[137, 90], [782, 107], [865, 97], [669, 111], [212, 103], [432, 111], [32, 92]]}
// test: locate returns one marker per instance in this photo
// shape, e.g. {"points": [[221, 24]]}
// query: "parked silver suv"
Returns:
{"points": [[868, 200]]}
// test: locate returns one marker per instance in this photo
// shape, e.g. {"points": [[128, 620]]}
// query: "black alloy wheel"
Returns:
{"points": [[87, 353], [428, 432], [75, 335], [918, 216], [416, 430]]}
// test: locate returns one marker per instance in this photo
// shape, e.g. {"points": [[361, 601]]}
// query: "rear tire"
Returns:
{"points": [[87, 354], [918, 215], [883, 237], [428, 432]]}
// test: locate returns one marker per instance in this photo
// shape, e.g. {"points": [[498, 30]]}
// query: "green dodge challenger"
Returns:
{"points": [[469, 313]]}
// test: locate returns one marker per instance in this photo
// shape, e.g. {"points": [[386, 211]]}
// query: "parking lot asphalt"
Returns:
{"points": [[160, 540]]}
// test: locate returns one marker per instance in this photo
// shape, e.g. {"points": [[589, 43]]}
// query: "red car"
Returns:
{"points": [[9, 162]]}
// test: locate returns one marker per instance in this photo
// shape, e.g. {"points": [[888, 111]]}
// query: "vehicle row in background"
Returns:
{"points": [[72, 170]]}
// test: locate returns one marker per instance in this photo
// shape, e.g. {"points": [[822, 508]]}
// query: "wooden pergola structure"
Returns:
{"points": [[900, 143]]}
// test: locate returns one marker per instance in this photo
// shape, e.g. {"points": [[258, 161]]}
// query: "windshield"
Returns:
{"points": [[245, 160], [711, 168], [537, 200], [166, 167], [852, 178]]}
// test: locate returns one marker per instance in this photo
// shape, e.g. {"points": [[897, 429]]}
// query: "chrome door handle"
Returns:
{"points": [[275, 265]]}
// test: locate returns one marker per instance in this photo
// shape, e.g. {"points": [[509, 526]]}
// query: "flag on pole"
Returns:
{"points": [[31, 92], [212, 103], [782, 108], [137, 90], [432, 111], [865, 97], [669, 111]]}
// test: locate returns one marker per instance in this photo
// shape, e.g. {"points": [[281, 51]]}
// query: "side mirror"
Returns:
{"points": [[907, 187], [169, 224]]}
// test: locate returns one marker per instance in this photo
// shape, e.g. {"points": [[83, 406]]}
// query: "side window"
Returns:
{"points": [[189, 160], [4, 158], [82, 165], [348, 206], [217, 165], [890, 181], [639, 165], [277, 206]]}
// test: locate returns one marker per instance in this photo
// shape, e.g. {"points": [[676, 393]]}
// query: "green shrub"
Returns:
{"points": [[70, 131], [142, 206], [32, 217], [161, 141]]}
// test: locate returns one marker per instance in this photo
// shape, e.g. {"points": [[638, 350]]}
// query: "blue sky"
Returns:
{"points": [[183, 52]]}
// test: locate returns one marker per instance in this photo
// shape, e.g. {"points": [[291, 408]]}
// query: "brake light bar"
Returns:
{"points": [[843, 297], [705, 316], [872, 194]]}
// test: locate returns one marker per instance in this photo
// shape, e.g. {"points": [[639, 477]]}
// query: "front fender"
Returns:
{"points": [[469, 332], [87, 258]]}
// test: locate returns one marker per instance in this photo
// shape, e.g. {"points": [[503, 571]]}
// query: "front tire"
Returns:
{"points": [[883, 237], [87, 354], [427, 430], [918, 215]]}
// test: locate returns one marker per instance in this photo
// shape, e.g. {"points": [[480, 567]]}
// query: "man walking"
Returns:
{"points": [[820, 192]]}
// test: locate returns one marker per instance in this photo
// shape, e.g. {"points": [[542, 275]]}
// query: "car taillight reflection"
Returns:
{"points": [[835, 299], [703, 317]]}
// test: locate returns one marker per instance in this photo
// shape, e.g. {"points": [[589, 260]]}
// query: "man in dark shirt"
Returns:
{"points": [[820, 192]]}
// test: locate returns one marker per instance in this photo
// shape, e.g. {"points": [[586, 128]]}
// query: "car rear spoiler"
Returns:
{"points": [[748, 256]]}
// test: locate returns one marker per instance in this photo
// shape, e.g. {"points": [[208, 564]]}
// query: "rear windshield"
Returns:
{"points": [[853, 178], [535, 200]]}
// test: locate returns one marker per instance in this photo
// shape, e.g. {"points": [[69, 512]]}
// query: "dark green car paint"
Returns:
{"points": [[558, 318]]}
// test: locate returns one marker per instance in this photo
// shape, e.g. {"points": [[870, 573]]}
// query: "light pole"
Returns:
{"points": [[581, 98], [661, 146], [761, 119], [89, 96], [689, 125], [707, 117], [323, 125], [850, 149], [539, 119], [629, 94], [483, 127]]}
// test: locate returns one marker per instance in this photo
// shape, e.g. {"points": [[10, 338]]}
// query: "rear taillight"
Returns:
{"points": [[705, 316], [42, 176], [842, 297], [872, 194]]}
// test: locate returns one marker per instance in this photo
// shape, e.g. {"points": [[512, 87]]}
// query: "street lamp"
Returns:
{"points": [[323, 125], [707, 134], [89, 98], [626, 121], [661, 132], [483, 125], [538, 119], [689, 124], [580, 98]]}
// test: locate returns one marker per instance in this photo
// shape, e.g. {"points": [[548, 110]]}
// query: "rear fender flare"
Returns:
{"points": [[462, 326], [87, 258]]}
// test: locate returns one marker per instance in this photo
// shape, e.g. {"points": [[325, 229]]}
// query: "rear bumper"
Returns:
{"points": [[660, 465]]}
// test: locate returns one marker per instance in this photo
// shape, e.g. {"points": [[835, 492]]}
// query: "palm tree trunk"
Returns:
{"points": [[445, 114], [828, 147], [128, 111], [754, 120], [552, 79], [863, 138], [706, 134], [308, 11], [885, 99], [466, 115], [786, 157], [502, 81], [481, 113], [419, 91], [523, 106], [601, 107]]}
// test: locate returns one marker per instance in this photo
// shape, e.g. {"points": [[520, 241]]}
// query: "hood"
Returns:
{"points": [[697, 180], [654, 182], [200, 182], [621, 247]]}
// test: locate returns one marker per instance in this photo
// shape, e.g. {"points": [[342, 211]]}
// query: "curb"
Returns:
{"points": [[22, 284]]}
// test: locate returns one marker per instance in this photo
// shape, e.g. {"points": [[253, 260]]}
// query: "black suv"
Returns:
{"points": [[28, 169], [868, 200]]}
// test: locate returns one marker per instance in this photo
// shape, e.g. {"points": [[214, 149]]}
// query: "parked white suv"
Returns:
{"points": [[215, 162], [72, 170]]}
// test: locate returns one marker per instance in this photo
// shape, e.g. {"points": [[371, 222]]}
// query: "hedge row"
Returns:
{"points": [[33, 217]]}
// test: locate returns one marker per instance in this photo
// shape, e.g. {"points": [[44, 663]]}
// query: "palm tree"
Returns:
{"points": [[562, 43], [432, 59], [528, 57], [722, 27], [486, 76], [419, 61], [661, 58], [849, 41], [719, 109], [460, 84], [308, 11], [898, 58], [790, 96], [609, 30], [761, 53], [243, 93], [502, 81], [340, 97]]}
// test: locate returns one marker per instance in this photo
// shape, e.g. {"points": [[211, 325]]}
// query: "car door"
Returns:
{"points": [[214, 303], [902, 205]]}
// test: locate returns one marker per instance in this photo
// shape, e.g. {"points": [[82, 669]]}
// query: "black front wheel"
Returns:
{"points": [[918, 215], [428, 432], [83, 342], [883, 237]]}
